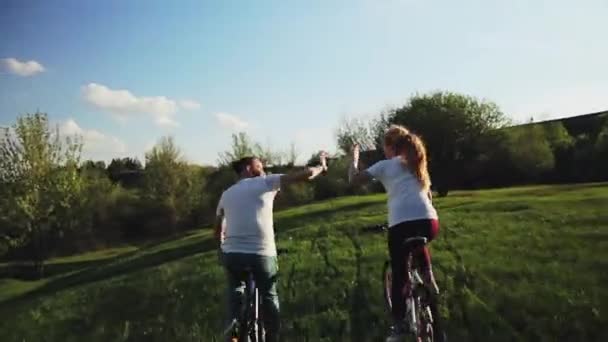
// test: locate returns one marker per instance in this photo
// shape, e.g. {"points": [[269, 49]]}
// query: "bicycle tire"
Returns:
{"points": [[256, 325], [431, 331], [387, 281], [245, 327]]}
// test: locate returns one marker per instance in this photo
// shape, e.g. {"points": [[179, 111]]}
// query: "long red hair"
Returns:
{"points": [[413, 151]]}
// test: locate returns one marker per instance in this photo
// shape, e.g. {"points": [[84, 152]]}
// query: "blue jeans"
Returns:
{"points": [[264, 269]]}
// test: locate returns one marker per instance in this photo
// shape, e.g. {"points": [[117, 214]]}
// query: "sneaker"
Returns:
{"points": [[396, 333]]}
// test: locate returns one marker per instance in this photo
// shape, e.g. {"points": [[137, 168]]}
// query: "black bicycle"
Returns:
{"points": [[250, 326], [421, 298]]}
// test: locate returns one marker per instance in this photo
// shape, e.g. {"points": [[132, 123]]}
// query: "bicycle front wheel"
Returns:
{"points": [[429, 328], [387, 284]]}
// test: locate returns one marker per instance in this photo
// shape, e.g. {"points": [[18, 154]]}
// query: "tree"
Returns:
{"points": [[601, 152], [268, 155], [171, 184], [530, 152], [557, 136], [368, 135], [41, 186], [242, 146], [562, 144], [163, 166], [96, 165], [126, 171], [452, 125], [94, 168], [292, 155]]}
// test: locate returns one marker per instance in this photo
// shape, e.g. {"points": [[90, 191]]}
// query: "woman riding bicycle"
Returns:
{"points": [[405, 177]]}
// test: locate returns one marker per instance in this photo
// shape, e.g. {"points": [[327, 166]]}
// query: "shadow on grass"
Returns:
{"points": [[112, 269], [293, 221], [85, 272], [23, 270]]}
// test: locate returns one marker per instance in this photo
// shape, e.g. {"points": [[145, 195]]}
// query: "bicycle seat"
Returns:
{"points": [[415, 241]]}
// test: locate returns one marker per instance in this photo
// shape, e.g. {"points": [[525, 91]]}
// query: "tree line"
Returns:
{"points": [[472, 144], [53, 203]]}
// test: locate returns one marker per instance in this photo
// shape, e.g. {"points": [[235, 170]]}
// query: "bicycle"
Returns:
{"points": [[421, 298], [250, 326]]}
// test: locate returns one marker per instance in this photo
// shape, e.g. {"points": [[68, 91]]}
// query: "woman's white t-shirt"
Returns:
{"points": [[407, 201]]}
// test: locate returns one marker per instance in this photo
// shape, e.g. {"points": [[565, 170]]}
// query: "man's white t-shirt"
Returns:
{"points": [[407, 201], [247, 208]]}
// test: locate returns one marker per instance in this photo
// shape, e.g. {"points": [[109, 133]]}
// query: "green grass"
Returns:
{"points": [[513, 264]]}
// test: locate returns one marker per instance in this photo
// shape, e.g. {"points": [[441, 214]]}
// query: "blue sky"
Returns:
{"points": [[124, 73]]}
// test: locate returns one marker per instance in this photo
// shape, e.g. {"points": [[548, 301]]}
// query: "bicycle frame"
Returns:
{"points": [[253, 293], [413, 281]]}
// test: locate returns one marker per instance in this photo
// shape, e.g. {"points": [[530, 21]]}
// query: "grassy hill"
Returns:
{"points": [[513, 264]]}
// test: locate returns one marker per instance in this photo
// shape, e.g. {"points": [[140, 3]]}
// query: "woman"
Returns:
{"points": [[406, 179]]}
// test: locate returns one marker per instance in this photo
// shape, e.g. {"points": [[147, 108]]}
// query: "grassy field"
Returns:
{"points": [[513, 264]]}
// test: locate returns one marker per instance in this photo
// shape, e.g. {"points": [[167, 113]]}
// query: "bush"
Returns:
{"points": [[335, 182], [295, 194]]}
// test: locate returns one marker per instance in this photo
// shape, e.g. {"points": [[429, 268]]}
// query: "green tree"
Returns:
{"points": [[355, 131], [452, 125], [557, 136], [562, 144], [292, 155], [530, 152], [121, 170], [242, 146], [268, 155], [41, 186], [94, 168], [601, 152], [367, 134], [172, 184]]}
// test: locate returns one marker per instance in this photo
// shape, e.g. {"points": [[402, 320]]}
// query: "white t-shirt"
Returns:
{"points": [[407, 201], [247, 208]]}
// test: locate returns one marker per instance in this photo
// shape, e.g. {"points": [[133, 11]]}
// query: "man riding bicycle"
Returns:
{"points": [[247, 243]]}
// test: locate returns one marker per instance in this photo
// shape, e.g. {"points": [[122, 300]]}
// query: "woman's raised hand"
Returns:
{"points": [[323, 159], [355, 154]]}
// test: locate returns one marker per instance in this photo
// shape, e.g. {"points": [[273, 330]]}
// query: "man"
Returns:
{"points": [[244, 229]]}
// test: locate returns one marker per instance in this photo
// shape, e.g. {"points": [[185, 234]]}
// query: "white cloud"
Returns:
{"points": [[231, 122], [189, 104], [20, 68], [123, 103], [97, 146]]}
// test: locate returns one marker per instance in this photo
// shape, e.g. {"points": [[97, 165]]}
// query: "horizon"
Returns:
{"points": [[124, 74]]}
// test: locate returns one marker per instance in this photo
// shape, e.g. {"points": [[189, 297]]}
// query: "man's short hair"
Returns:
{"points": [[240, 165]]}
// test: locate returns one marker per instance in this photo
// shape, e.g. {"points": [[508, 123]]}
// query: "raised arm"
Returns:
{"points": [[355, 176], [308, 173]]}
